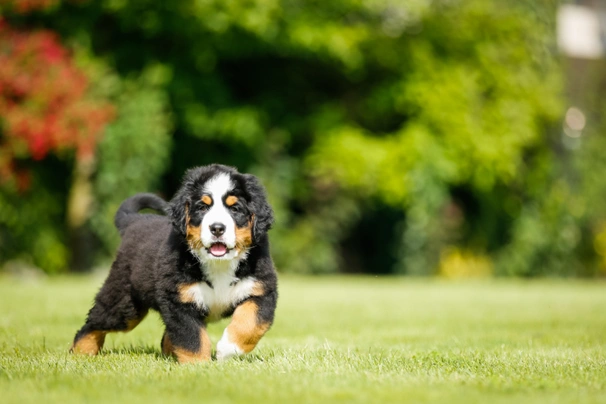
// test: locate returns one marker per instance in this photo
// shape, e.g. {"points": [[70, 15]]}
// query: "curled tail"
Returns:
{"points": [[129, 208]]}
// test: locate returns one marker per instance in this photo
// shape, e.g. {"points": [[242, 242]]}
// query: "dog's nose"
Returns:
{"points": [[217, 229]]}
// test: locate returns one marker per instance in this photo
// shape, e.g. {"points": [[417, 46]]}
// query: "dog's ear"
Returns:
{"points": [[178, 206], [263, 214], [177, 211]]}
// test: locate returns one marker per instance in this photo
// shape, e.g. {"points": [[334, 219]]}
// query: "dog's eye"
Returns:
{"points": [[204, 207], [233, 208]]}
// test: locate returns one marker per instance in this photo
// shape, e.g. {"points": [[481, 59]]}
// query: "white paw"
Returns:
{"points": [[227, 349]]}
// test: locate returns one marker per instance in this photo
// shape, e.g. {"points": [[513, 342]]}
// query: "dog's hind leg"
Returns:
{"points": [[88, 341], [115, 309], [90, 338]]}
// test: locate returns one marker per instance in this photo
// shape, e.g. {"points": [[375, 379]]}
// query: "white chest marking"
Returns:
{"points": [[222, 296]]}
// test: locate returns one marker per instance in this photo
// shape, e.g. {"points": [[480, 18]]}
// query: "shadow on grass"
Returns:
{"points": [[136, 351], [246, 359], [157, 354]]}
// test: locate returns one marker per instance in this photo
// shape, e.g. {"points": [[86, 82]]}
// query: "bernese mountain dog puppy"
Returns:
{"points": [[207, 259]]}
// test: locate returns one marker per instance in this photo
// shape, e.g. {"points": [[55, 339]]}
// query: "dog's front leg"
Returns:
{"points": [[185, 336], [250, 321]]}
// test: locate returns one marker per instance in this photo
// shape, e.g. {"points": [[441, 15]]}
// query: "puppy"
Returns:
{"points": [[206, 260]]}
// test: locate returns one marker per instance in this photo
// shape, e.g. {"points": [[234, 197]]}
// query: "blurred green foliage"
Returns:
{"points": [[31, 224], [134, 152], [390, 135]]}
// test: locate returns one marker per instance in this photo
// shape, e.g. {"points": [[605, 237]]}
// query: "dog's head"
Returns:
{"points": [[220, 212]]}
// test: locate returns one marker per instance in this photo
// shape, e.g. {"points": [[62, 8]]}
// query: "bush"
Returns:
{"points": [[392, 137]]}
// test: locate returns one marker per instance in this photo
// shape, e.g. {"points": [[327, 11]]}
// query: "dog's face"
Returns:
{"points": [[220, 222], [221, 212]]}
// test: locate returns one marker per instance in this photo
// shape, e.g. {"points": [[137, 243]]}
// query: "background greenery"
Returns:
{"points": [[411, 137]]}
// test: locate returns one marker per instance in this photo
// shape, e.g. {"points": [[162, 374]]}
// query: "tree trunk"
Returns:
{"points": [[79, 205]]}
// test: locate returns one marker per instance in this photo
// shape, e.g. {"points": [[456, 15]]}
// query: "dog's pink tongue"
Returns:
{"points": [[218, 249]]}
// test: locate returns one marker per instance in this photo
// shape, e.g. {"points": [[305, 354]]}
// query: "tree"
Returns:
{"points": [[44, 110], [392, 136]]}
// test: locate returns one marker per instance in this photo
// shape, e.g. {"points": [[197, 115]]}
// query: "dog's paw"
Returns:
{"points": [[227, 349]]}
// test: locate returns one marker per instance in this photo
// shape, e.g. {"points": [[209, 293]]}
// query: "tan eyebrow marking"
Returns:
{"points": [[207, 200], [231, 200]]}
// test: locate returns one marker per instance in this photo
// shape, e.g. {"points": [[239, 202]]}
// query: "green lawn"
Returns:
{"points": [[334, 340]]}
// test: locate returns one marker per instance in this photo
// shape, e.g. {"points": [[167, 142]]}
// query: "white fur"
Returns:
{"points": [[226, 349], [217, 188], [223, 294], [220, 271]]}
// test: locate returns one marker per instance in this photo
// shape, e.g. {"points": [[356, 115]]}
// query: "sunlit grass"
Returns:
{"points": [[335, 339]]}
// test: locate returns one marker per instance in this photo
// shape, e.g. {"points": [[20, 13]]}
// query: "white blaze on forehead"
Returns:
{"points": [[217, 187]]}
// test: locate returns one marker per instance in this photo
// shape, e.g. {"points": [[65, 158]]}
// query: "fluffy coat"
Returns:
{"points": [[173, 264]]}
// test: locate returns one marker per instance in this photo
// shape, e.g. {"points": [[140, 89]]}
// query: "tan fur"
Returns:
{"points": [[244, 331], [192, 232], [92, 342], [131, 324], [167, 346], [185, 356], [184, 293], [258, 289], [231, 200], [207, 200], [244, 237], [89, 344]]}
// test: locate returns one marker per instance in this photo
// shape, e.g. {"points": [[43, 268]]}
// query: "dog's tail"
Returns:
{"points": [[127, 212]]}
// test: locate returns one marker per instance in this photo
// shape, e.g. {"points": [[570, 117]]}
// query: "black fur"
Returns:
{"points": [[154, 259], [129, 209], [248, 186]]}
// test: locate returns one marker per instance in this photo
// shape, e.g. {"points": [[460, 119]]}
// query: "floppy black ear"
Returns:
{"points": [[177, 207], [264, 215], [177, 210]]}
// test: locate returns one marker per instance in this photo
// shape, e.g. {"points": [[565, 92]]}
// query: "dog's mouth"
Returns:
{"points": [[218, 249]]}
